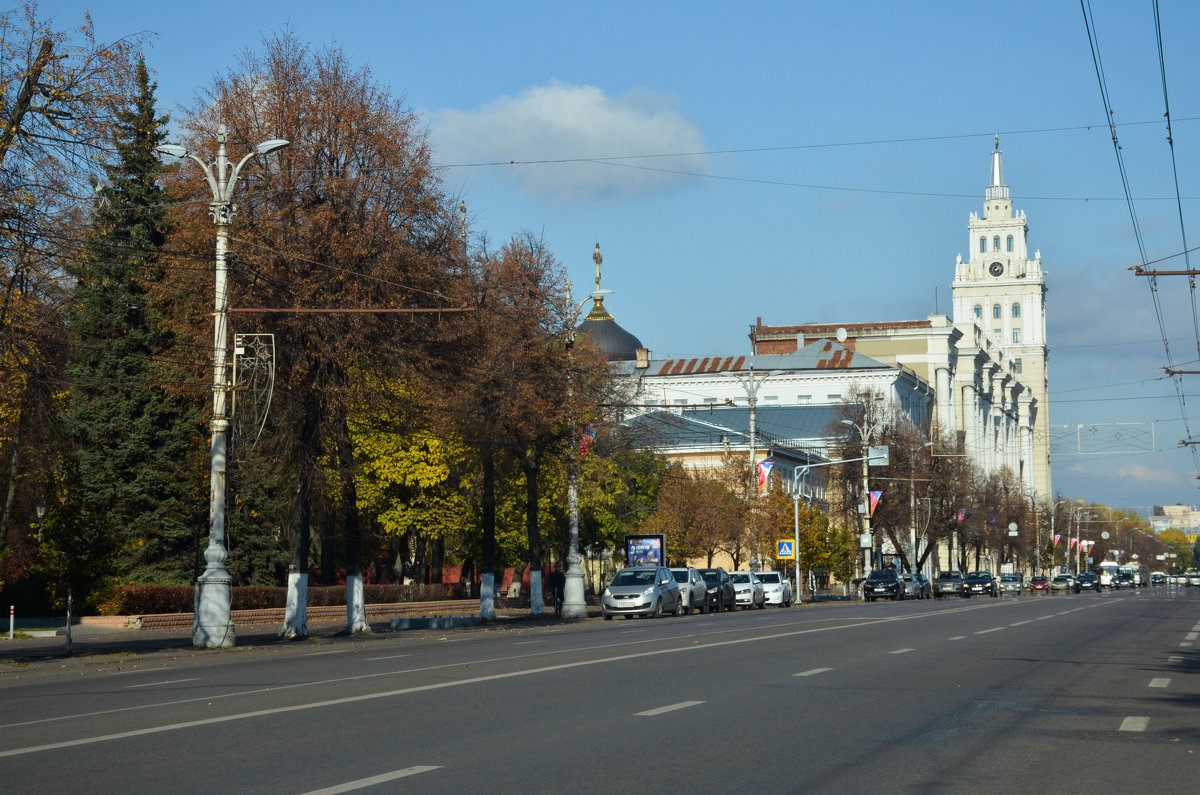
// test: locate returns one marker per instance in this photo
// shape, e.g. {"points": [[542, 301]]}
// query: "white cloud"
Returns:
{"points": [[560, 121]]}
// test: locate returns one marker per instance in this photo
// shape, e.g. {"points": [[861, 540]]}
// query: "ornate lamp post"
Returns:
{"points": [[213, 623]]}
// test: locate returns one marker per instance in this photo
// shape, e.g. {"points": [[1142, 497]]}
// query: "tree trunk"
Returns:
{"points": [[439, 554], [356, 609], [14, 470], [487, 594], [531, 465], [295, 616]]}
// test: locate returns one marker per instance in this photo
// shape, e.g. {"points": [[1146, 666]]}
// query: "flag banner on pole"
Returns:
{"points": [[764, 473], [962, 514], [876, 496], [586, 437], [1071, 544], [1057, 538]]}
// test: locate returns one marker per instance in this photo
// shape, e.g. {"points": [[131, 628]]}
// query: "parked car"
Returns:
{"points": [[924, 586], [1060, 582], [641, 591], [1010, 583], [980, 583], [1039, 584], [719, 588], [1087, 581], [777, 589], [948, 583], [691, 588], [911, 589], [883, 583], [1193, 578], [747, 589]]}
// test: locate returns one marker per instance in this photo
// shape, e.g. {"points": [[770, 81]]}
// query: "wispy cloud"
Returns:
{"points": [[557, 122]]}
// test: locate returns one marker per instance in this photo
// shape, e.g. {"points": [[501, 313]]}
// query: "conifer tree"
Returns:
{"points": [[135, 480]]}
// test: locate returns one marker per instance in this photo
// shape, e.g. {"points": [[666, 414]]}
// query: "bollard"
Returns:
{"points": [[12, 617]]}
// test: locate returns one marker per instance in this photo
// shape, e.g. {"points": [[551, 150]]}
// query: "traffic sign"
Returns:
{"points": [[784, 549]]}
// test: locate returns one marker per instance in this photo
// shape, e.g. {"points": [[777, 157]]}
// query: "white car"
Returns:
{"points": [[691, 589], [777, 589], [747, 589]]}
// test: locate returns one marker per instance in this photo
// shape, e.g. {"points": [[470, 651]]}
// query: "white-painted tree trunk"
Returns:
{"points": [[487, 596], [295, 614], [537, 600], [356, 608]]}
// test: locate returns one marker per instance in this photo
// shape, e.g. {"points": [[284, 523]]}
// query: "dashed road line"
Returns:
{"points": [[993, 629], [168, 682], [382, 778], [669, 708], [1019, 623], [958, 637], [1160, 681], [1134, 723], [901, 651], [813, 672]]}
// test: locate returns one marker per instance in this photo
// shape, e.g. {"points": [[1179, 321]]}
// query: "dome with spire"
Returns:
{"points": [[617, 344]]}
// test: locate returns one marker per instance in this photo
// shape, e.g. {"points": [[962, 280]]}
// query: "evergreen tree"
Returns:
{"points": [[135, 484]]}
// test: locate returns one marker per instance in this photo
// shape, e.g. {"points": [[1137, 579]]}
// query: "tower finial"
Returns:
{"points": [[997, 142], [596, 258]]}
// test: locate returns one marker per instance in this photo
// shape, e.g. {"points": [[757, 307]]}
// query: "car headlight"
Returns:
{"points": [[607, 592], [649, 591]]}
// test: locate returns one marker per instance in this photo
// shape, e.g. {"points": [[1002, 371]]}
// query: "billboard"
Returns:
{"points": [[647, 550]]}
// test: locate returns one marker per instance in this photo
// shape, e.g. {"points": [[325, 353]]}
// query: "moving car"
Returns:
{"points": [[748, 591], [980, 583], [1010, 583], [1087, 581], [1060, 582], [1124, 580], [691, 588], [883, 583], [719, 588], [641, 591], [777, 589], [1158, 578], [948, 583]]}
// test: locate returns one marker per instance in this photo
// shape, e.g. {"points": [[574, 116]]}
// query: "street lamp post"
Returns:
{"points": [[864, 433], [40, 508], [212, 626]]}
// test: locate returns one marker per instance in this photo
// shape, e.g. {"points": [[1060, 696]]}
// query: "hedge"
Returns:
{"points": [[147, 599]]}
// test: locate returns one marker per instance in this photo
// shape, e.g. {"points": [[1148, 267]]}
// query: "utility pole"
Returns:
{"points": [[212, 626]]}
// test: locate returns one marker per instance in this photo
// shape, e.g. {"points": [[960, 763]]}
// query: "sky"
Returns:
{"points": [[806, 163]]}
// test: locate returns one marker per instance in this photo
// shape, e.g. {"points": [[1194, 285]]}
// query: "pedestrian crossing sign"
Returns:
{"points": [[784, 550]]}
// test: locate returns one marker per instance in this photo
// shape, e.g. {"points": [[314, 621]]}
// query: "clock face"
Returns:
{"points": [[996, 269]]}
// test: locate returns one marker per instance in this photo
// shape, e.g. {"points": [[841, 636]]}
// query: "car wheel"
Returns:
{"points": [[658, 611], [607, 617]]}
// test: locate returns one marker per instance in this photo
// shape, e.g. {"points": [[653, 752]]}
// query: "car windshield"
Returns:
{"points": [[881, 575], [907, 577], [1038, 579], [948, 575], [645, 577], [710, 576], [979, 575], [740, 576], [1060, 578], [1010, 578], [681, 575], [772, 577]]}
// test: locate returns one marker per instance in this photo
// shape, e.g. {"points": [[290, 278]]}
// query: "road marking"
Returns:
{"points": [[168, 682], [1065, 612], [901, 651], [670, 708], [813, 672], [322, 653], [1160, 681], [527, 642], [1187, 644], [373, 780], [1191, 636], [958, 637], [1174, 658], [1019, 623], [389, 657], [1043, 618], [1134, 724], [986, 631]]}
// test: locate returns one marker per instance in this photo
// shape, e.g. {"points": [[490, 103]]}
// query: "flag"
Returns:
{"points": [[876, 496], [586, 437], [962, 514], [1057, 537], [1071, 544], [764, 473]]}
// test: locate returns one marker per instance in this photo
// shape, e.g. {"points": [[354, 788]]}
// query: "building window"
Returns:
{"points": [[995, 311], [982, 244], [998, 336], [1010, 242], [710, 400], [836, 396], [1016, 335], [1016, 366], [804, 398], [771, 398], [978, 312], [996, 243], [1016, 310], [680, 401]]}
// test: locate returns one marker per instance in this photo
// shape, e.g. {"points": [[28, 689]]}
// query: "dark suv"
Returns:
{"points": [[718, 589], [948, 583], [1087, 581], [981, 583], [883, 583]]}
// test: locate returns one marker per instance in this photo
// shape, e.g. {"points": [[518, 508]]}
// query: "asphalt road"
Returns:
{"points": [[1076, 693]]}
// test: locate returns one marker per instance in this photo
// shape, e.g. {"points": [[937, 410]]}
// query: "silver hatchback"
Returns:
{"points": [[641, 591]]}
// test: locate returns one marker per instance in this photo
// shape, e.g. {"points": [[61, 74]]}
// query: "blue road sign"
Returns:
{"points": [[784, 550]]}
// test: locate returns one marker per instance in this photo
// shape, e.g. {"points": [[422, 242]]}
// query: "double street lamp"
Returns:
{"points": [[212, 626]]}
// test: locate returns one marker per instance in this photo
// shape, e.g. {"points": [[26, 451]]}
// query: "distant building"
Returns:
{"points": [[1175, 517]]}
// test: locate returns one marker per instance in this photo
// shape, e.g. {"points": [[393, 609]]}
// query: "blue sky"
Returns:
{"points": [[802, 162]]}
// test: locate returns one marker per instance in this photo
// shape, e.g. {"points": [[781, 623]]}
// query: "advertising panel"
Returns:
{"points": [[647, 550]]}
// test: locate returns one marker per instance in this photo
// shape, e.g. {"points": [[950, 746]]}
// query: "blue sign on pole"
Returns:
{"points": [[784, 550]]}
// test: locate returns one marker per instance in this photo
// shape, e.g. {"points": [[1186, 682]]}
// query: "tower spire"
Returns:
{"points": [[996, 188]]}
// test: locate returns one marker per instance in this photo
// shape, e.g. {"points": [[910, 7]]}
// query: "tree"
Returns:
{"points": [[134, 484], [350, 218]]}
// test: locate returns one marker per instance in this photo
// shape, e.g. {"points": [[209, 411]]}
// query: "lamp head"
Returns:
{"points": [[174, 150], [41, 510], [271, 145]]}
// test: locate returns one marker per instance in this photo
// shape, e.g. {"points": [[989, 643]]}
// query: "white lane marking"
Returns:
{"points": [[1187, 644], [168, 682], [1134, 724], [669, 708], [958, 637], [1019, 623], [322, 653], [813, 672], [1191, 636], [1043, 618], [382, 778], [1160, 681], [901, 651], [389, 657], [1174, 658], [1064, 612], [527, 642], [993, 629]]}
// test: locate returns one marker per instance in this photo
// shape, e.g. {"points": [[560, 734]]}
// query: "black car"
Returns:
{"points": [[980, 583], [718, 589], [1123, 580], [883, 583], [1087, 581], [948, 583]]}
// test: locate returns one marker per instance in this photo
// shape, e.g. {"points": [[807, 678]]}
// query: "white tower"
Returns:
{"points": [[1003, 291]]}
